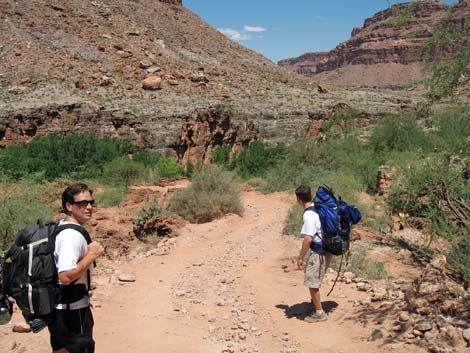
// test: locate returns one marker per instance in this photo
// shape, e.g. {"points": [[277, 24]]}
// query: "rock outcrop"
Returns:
{"points": [[86, 67], [386, 50]]}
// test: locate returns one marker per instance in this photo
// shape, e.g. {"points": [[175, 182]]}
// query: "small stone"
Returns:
{"points": [[466, 334], [126, 277], [180, 293], [153, 69], [242, 336], [152, 83], [375, 335], [349, 275], [423, 326], [361, 286], [145, 64], [404, 316], [418, 333], [22, 328]]}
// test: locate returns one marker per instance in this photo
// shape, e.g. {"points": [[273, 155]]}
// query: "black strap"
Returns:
{"points": [[83, 232], [336, 279]]}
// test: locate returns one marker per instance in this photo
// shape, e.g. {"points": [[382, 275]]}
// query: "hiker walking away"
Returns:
{"points": [[318, 260], [71, 324]]}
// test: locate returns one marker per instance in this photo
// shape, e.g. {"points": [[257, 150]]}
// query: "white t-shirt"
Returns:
{"points": [[312, 226], [70, 248]]}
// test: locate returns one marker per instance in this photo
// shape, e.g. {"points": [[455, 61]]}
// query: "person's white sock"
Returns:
{"points": [[318, 312]]}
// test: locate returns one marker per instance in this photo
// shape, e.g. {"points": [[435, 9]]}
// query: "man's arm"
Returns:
{"points": [[303, 251], [95, 250]]}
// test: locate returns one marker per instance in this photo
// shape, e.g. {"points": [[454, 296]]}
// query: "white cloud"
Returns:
{"points": [[234, 34], [254, 29]]}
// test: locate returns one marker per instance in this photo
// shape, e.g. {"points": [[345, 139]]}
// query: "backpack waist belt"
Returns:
{"points": [[72, 293]]}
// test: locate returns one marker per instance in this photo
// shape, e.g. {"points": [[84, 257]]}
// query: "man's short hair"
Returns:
{"points": [[304, 193], [71, 191]]}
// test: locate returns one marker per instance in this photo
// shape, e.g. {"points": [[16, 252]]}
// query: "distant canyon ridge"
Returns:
{"points": [[386, 51], [156, 74]]}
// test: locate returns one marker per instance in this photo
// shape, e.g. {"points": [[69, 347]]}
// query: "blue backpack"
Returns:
{"points": [[336, 218]]}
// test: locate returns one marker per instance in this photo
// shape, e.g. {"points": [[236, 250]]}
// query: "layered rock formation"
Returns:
{"points": [[386, 50], [80, 66]]}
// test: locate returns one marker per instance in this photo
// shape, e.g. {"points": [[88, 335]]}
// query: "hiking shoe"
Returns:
{"points": [[314, 317]]}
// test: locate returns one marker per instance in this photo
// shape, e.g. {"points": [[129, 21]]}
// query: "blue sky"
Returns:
{"points": [[282, 29]]}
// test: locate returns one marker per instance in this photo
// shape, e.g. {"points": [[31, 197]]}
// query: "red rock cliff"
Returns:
{"points": [[386, 50]]}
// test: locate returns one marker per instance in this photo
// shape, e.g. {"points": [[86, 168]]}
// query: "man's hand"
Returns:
{"points": [[300, 263], [95, 250]]}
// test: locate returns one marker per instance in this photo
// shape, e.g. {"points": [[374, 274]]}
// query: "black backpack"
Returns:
{"points": [[29, 273]]}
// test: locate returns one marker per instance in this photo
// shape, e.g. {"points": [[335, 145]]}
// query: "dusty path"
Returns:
{"points": [[227, 286]]}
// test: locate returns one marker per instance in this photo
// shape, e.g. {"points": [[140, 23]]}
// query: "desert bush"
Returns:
{"points": [[168, 168], [146, 213], [211, 194], [20, 206], [452, 130], [342, 163], [110, 197], [360, 264], [403, 17], [446, 54], [221, 156], [252, 161], [294, 220], [399, 133], [123, 172], [148, 159], [256, 159]]}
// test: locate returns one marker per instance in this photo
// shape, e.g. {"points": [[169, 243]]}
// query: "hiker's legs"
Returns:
{"points": [[71, 331], [316, 301]]}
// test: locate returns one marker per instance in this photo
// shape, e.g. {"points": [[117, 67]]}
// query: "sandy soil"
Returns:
{"points": [[226, 286]]}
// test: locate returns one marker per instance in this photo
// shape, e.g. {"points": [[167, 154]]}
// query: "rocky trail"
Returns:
{"points": [[227, 286]]}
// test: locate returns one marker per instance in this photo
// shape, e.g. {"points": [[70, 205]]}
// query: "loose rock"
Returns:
{"points": [[152, 83]]}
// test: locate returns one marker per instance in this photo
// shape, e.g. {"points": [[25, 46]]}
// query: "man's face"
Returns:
{"points": [[299, 201], [82, 207]]}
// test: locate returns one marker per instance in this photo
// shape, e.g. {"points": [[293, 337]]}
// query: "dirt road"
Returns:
{"points": [[226, 286]]}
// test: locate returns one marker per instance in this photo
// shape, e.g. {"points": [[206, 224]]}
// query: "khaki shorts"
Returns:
{"points": [[315, 269]]}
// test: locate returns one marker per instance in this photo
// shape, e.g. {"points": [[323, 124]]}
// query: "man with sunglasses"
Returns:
{"points": [[71, 327]]}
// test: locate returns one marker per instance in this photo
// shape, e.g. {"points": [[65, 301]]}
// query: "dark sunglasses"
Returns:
{"points": [[84, 203]]}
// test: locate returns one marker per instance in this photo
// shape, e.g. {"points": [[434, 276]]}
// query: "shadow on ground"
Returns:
{"points": [[301, 310]]}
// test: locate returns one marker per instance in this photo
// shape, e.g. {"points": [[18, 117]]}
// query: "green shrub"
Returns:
{"points": [[144, 214], [146, 158], [344, 164], [294, 220], [169, 168], [359, 263], [403, 17], [20, 207], [338, 124], [81, 156], [110, 197], [221, 156], [256, 159], [452, 130], [123, 172], [446, 54], [399, 133], [211, 195]]}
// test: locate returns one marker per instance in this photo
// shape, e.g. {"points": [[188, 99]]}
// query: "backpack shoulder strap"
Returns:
{"points": [[311, 208], [83, 232], [76, 227]]}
